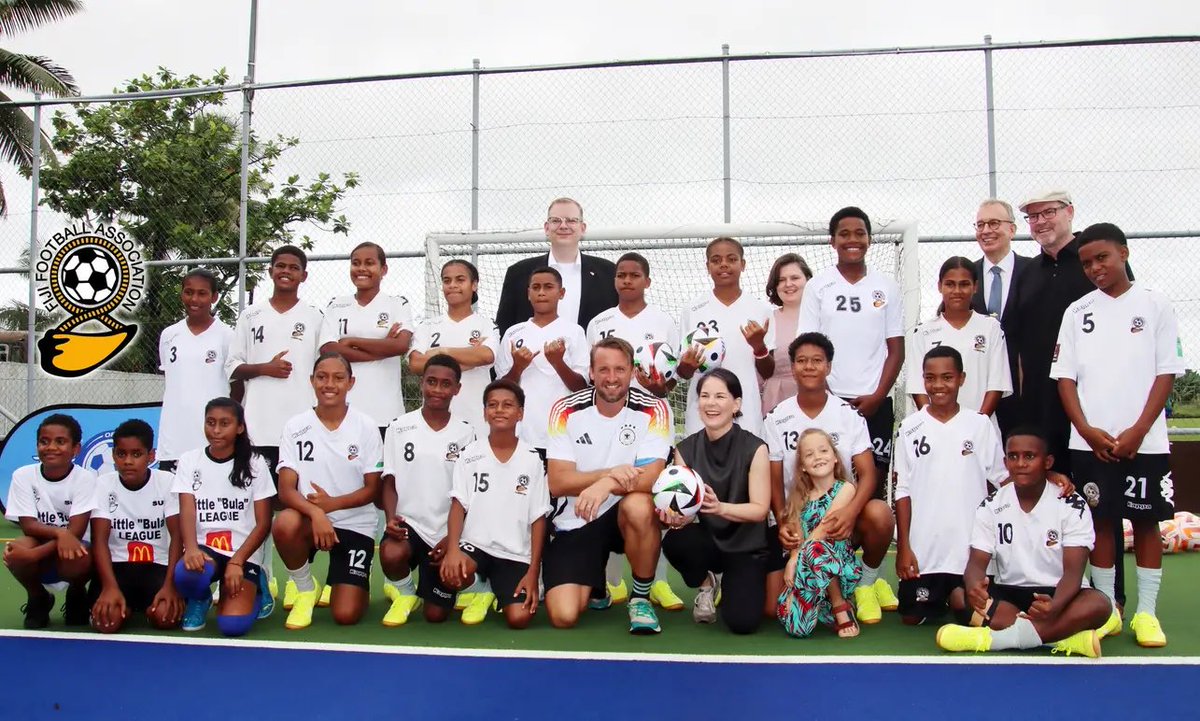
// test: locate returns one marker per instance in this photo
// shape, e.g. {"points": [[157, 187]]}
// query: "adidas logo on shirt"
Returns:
{"points": [[584, 440]]}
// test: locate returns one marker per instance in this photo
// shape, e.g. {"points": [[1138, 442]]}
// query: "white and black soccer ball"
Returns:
{"points": [[711, 348], [657, 360], [89, 276], [678, 489]]}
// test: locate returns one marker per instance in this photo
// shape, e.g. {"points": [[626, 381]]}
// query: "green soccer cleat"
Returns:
{"points": [[1148, 631], [475, 613], [326, 594], [1111, 627], [952, 637], [885, 595], [1084, 643], [867, 602], [402, 606], [663, 595], [289, 594], [302, 610], [462, 600]]}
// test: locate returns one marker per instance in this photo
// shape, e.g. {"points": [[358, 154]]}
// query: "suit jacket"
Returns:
{"points": [[1008, 412], [979, 300], [597, 294]]}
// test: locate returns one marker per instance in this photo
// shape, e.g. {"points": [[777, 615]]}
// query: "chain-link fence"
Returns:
{"points": [[923, 134]]}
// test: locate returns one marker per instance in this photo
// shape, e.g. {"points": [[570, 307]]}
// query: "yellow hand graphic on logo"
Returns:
{"points": [[69, 354]]}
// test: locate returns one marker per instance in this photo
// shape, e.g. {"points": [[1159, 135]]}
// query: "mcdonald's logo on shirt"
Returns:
{"points": [[220, 541], [140, 552]]}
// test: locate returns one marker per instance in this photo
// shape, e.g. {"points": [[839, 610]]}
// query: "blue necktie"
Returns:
{"points": [[993, 301]]}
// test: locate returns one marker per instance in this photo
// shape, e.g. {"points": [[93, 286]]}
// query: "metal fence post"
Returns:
{"points": [[728, 190], [31, 320], [244, 199], [475, 147], [991, 117]]}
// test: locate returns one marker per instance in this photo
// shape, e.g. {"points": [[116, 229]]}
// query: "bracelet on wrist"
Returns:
{"points": [[765, 354]]}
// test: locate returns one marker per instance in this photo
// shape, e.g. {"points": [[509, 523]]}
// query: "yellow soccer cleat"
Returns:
{"points": [[302, 610], [867, 602], [1084, 643], [1111, 627], [663, 595], [884, 594], [326, 594], [952, 637], [462, 600], [1148, 631], [619, 593], [402, 606], [289, 594], [477, 611], [273, 587]]}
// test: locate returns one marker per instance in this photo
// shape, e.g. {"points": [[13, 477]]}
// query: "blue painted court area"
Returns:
{"points": [[59, 677]]}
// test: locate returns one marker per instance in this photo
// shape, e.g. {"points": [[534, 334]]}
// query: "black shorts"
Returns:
{"points": [[250, 571], [503, 573], [777, 557], [578, 556], [1139, 489], [139, 584], [349, 559], [429, 580], [928, 595], [168, 466], [881, 427], [1019, 596], [270, 454]]}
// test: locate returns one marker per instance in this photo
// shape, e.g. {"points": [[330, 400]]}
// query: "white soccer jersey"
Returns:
{"points": [[713, 318], [52, 503], [502, 500], [377, 390], [984, 352], [945, 469], [540, 381], [638, 435], [193, 367], [336, 461], [858, 318], [224, 512], [787, 421], [652, 325], [260, 334], [1114, 348], [138, 519], [421, 463], [475, 329], [1027, 548]]}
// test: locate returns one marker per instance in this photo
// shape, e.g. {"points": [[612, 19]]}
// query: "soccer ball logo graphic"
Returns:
{"points": [[89, 276]]}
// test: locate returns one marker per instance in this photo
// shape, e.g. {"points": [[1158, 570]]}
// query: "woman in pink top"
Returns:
{"points": [[785, 288]]}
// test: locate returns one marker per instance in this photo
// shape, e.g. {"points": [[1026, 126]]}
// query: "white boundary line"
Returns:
{"points": [[789, 660]]}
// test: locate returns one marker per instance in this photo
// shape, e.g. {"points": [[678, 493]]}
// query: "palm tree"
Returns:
{"points": [[29, 73]]}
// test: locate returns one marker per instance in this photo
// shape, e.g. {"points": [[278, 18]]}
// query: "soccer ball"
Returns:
{"points": [[712, 350], [1127, 532], [1170, 535], [678, 489], [89, 276], [657, 361], [1187, 530]]}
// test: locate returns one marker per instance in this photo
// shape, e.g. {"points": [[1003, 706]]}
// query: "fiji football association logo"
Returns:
{"points": [[90, 275], [95, 453]]}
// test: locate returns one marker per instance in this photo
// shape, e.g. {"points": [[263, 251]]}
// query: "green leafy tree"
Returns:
{"points": [[30, 73], [167, 171]]}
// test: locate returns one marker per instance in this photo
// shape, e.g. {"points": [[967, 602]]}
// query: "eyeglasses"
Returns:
{"points": [[992, 224], [1047, 214], [556, 221]]}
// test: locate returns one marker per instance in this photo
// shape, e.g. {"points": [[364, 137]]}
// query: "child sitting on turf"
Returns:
{"points": [[946, 457], [500, 499], [225, 493], [51, 501], [1040, 543], [820, 574], [135, 535]]}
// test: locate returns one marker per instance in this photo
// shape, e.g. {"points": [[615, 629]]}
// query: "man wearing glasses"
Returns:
{"points": [[589, 281], [998, 271]]}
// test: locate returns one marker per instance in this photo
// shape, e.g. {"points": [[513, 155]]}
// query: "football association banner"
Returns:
{"points": [[95, 450]]}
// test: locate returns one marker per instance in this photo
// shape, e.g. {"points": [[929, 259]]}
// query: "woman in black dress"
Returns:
{"points": [[730, 535]]}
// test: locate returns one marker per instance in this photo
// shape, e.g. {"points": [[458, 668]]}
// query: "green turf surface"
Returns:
{"points": [[607, 631]]}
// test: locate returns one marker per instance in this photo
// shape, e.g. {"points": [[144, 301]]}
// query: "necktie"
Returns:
{"points": [[993, 301]]}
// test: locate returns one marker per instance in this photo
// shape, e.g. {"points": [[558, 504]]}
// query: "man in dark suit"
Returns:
{"points": [[589, 281], [998, 271]]}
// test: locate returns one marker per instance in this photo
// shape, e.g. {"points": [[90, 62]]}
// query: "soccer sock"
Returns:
{"points": [[868, 576], [641, 587], [1020, 635], [405, 585], [302, 577], [1105, 580], [613, 570], [268, 564], [1148, 579], [660, 571], [477, 586]]}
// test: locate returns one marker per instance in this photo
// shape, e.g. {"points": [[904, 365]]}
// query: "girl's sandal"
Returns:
{"points": [[850, 623]]}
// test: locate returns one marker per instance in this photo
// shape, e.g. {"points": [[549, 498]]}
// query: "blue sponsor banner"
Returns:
{"points": [[95, 451]]}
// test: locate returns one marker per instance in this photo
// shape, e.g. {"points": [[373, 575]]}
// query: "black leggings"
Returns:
{"points": [[692, 551]]}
